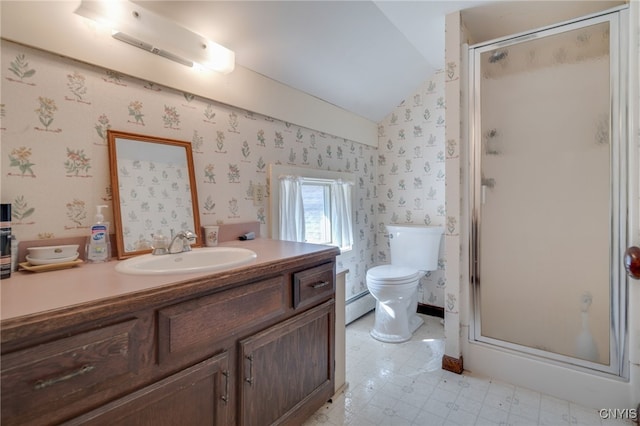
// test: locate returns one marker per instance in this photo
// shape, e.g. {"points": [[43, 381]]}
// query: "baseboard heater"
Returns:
{"points": [[357, 297]]}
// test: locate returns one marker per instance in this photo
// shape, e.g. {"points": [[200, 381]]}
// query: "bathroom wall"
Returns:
{"points": [[455, 248], [55, 114], [53, 26], [411, 172]]}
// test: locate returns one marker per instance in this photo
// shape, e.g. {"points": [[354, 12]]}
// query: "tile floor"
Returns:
{"points": [[403, 384]]}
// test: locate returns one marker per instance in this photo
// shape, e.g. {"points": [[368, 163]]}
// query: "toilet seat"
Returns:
{"points": [[392, 274]]}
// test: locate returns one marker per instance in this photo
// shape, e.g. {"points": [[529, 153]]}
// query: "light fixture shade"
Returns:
{"points": [[146, 30]]}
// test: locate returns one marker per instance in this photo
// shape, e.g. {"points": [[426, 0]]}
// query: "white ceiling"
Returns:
{"points": [[363, 56]]}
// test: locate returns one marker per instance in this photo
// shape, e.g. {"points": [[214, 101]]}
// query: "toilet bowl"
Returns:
{"points": [[395, 290], [414, 250]]}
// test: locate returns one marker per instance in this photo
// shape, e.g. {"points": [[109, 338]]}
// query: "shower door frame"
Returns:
{"points": [[619, 191]]}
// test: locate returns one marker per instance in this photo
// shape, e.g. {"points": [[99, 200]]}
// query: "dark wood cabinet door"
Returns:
{"points": [[287, 371], [197, 395]]}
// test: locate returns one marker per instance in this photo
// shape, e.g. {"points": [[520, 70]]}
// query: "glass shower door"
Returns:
{"points": [[545, 200]]}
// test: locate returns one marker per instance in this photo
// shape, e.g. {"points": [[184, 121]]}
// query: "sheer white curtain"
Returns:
{"points": [[291, 226], [341, 229]]}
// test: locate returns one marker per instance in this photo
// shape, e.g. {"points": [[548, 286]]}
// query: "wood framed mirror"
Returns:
{"points": [[154, 190]]}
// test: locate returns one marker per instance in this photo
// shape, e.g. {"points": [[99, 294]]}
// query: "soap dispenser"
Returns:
{"points": [[98, 247]]}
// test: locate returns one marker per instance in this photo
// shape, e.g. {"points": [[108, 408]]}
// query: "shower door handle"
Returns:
{"points": [[486, 183], [632, 262]]}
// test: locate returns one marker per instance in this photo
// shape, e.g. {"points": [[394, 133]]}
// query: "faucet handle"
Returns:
{"points": [[160, 240], [189, 237], [160, 244]]}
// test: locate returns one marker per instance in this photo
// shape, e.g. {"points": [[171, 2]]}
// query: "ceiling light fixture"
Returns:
{"points": [[134, 25]]}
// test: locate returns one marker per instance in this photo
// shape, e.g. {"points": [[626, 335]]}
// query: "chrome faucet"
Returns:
{"points": [[181, 242]]}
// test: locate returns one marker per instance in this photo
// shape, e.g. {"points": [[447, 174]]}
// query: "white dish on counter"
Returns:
{"points": [[53, 252], [38, 262]]}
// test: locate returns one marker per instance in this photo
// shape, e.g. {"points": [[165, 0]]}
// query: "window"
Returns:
{"points": [[316, 199], [311, 205]]}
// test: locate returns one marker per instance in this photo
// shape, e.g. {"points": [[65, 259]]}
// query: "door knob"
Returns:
{"points": [[632, 262]]}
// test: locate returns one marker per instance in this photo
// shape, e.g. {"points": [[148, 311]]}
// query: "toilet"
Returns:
{"points": [[414, 251]]}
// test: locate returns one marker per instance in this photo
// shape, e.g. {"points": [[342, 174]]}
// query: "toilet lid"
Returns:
{"points": [[392, 273]]}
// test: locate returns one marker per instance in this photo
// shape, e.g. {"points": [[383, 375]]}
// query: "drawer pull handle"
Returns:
{"points": [[320, 284], [250, 378], [225, 397], [41, 384]]}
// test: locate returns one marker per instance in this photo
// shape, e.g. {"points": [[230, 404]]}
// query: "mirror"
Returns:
{"points": [[153, 186]]}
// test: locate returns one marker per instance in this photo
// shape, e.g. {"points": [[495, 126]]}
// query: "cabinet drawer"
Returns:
{"points": [[189, 330], [50, 378], [313, 285]]}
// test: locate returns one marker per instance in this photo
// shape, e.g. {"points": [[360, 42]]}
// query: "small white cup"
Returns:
{"points": [[211, 235]]}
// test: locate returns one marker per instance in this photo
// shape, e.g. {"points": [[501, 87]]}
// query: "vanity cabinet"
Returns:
{"points": [[254, 347], [286, 365]]}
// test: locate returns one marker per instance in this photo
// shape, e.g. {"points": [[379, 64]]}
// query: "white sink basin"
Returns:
{"points": [[198, 260]]}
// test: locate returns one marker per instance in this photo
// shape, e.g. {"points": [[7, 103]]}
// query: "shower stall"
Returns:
{"points": [[548, 193]]}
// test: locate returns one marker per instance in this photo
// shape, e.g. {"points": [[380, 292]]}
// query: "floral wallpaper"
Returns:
{"points": [[411, 174], [55, 115], [455, 249]]}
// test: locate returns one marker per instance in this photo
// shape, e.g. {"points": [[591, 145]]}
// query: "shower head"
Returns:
{"points": [[498, 56]]}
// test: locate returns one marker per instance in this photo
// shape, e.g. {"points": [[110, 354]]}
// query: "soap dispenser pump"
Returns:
{"points": [[98, 246]]}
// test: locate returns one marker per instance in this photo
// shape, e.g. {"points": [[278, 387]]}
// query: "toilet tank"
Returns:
{"points": [[415, 246]]}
